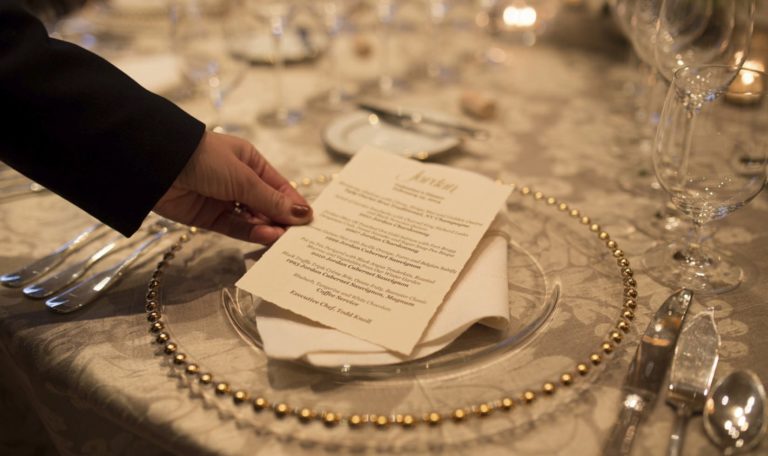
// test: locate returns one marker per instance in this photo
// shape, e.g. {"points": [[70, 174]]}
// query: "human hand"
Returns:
{"points": [[225, 169]]}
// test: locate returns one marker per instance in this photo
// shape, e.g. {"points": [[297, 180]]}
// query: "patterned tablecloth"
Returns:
{"points": [[92, 382]]}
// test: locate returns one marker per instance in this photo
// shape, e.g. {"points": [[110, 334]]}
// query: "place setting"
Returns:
{"points": [[518, 307]]}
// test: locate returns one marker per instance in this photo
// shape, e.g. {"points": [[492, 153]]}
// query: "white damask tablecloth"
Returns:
{"points": [[92, 383]]}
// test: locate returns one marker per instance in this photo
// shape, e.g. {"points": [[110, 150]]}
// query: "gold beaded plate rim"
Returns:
{"points": [[196, 376]]}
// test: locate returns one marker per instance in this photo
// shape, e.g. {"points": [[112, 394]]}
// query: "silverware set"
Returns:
{"points": [[66, 286], [734, 410]]}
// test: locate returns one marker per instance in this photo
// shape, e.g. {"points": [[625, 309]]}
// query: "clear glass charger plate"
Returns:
{"points": [[565, 288]]}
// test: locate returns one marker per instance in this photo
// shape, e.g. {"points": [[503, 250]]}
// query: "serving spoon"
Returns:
{"points": [[735, 412]]}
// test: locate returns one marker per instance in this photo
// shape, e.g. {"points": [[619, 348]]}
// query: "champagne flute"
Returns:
{"points": [[277, 14], [712, 116]]}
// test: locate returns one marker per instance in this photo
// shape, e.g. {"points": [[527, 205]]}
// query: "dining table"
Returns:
{"points": [[166, 362]]}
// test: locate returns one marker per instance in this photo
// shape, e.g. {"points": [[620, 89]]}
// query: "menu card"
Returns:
{"points": [[389, 238]]}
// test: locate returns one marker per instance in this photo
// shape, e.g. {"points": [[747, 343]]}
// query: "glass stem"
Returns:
{"points": [[695, 255], [279, 62]]}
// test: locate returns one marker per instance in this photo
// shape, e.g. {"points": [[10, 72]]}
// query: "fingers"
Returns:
{"points": [[265, 191], [246, 227]]}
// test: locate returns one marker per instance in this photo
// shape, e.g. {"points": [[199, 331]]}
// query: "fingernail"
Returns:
{"points": [[300, 210]]}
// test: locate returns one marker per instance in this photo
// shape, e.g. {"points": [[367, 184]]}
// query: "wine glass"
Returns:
{"points": [[712, 117], [332, 14], [199, 36], [277, 14], [668, 34]]}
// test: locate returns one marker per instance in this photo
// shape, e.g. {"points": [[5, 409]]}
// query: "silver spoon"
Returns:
{"points": [[735, 412]]}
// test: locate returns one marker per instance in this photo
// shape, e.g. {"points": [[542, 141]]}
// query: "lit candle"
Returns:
{"points": [[749, 86]]}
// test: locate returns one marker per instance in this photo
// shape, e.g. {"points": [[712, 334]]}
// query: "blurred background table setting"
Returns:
{"points": [[630, 134]]}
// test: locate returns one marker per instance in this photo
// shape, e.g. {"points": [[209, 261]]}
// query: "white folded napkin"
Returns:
{"points": [[159, 73], [479, 295]]}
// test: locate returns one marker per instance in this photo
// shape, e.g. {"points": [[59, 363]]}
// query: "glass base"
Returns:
{"points": [[280, 118], [668, 265], [234, 129], [663, 223]]}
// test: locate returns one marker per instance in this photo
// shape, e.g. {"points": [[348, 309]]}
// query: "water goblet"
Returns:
{"points": [[712, 115]]}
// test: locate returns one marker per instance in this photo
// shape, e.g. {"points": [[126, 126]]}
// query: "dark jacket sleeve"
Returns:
{"points": [[77, 125]]}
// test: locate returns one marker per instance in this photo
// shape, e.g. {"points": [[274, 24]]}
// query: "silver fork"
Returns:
{"points": [[84, 292], [48, 262], [63, 278]]}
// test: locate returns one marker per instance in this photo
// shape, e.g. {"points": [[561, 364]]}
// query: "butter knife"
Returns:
{"points": [[647, 371], [691, 374], [414, 118]]}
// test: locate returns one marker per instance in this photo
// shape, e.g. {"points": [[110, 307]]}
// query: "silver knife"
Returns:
{"points": [[414, 118], [691, 374], [647, 371]]}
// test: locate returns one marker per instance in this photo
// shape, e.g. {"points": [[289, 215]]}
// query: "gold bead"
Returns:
{"points": [[408, 420], [630, 292], [306, 414], [623, 325], [630, 303], [184, 237], [607, 347], [355, 420], [306, 181], [574, 213], [180, 358], [611, 244], [170, 348], [615, 336], [513, 186], [330, 419], [157, 327], [595, 359], [582, 369], [281, 410], [192, 230], [157, 273], [529, 396], [321, 179], [152, 294], [525, 191], [603, 236], [192, 369], [433, 418], [566, 379], [153, 317], [618, 253], [162, 338], [538, 195], [459, 414], [260, 404], [551, 201], [548, 388], [563, 207], [628, 314], [585, 220], [206, 379], [594, 227], [630, 281], [627, 272], [484, 409], [154, 283], [168, 256], [623, 263], [175, 247], [161, 264], [222, 388], [381, 421], [151, 305], [507, 403], [239, 397]]}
